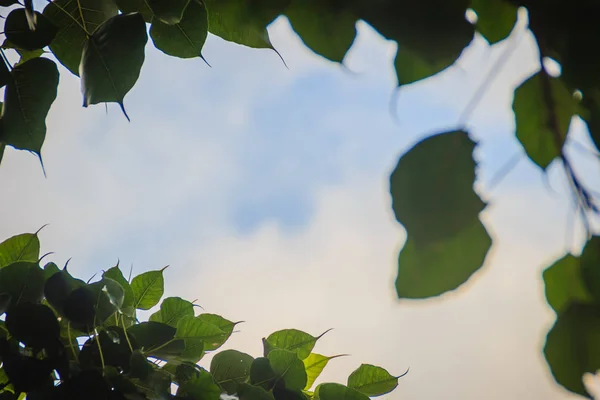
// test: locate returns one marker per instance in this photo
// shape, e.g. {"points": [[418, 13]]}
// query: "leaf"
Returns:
{"points": [[314, 365], [115, 274], [199, 336], [77, 20], [432, 188], [168, 11], [27, 100], [293, 340], [571, 346], [564, 284], [289, 368], [335, 391], [108, 295], [250, 392], [24, 247], [28, 55], [140, 6], [542, 131], [80, 308], [32, 324], [147, 289], [230, 368], [2, 147], [224, 324], [112, 59], [243, 22], [426, 271], [262, 374], [410, 67], [18, 32], [150, 335], [185, 38], [172, 310], [326, 29], [23, 281], [495, 18], [4, 303], [372, 380], [139, 366], [58, 287], [5, 77], [201, 387]]}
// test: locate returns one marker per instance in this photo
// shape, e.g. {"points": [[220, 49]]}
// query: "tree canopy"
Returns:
{"points": [[103, 42]]}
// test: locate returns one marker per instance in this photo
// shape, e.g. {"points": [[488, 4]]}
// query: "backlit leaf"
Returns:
{"points": [[314, 365], [140, 6], [23, 247], [293, 340], [147, 289], [200, 387], [224, 324], [172, 310], [335, 391], [289, 368], [199, 336], [229, 368], [372, 380]]}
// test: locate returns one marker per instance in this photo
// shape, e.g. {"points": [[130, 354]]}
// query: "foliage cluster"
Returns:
{"points": [[103, 42], [63, 338]]}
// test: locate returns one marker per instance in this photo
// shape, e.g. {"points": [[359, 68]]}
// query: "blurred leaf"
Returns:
{"points": [[314, 365], [432, 188], [168, 11], [335, 391], [115, 274], [24, 247], [201, 387], [27, 100], [435, 269], [49, 270], [76, 20], [18, 32], [23, 281], [147, 289], [372, 380], [411, 67], [293, 340], [564, 284], [250, 392], [156, 387], [230, 368], [2, 147], [80, 308], [150, 335], [185, 38], [542, 130], [140, 367], [112, 59], [27, 55], [58, 288], [572, 347], [32, 324], [327, 29], [140, 6], [289, 368], [172, 310], [495, 18], [4, 302]]}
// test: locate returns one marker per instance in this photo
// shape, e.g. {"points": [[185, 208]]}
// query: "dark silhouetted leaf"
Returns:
{"points": [[147, 289], [24, 247], [168, 11], [27, 100], [35, 325], [541, 134], [5, 77], [172, 310], [4, 302], [23, 281], [115, 350], [8, 3], [139, 366], [58, 288], [150, 335], [372, 380], [432, 188], [17, 31], [185, 38], [335, 391], [426, 271], [250, 392], [327, 29], [80, 308], [112, 59], [128, 307], [571, 346], [200, 387], [108, 298], [229, 368], [140, 6], [289, 368], [495, 18], [262, 374], [77, 20]]}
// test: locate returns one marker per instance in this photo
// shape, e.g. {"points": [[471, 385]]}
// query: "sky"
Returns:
{"points": [[265, 190]]}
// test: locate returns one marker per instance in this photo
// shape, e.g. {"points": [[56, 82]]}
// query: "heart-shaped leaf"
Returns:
{"points": [[24, 247], [18, 32]]}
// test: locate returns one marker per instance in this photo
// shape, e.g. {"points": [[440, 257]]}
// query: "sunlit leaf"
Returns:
{"points": [[293, 340], [224, 324], [147, 289], [372, 380], [185, 38], [229, 368], [24, 247], [335, 391], [199, 336], [201, 387], [314, 365], [172, 310], [77, 20], [495, 18], [18, 32], [289, 368]]}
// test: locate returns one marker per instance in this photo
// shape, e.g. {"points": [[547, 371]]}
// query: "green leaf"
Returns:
{"points": [[199, 336], [314, 365], [35, 325], [224, 324], [432, 188], [28, 55], [112, 59], [23, 281], [293, 340], [543, 109], [50, 269], [250, 392], [172, 310], [201, 387], [335, 391], [495, 18], [372, 380], [140, 6], [24, 247], [17, 30], [262, 374], [230, 368], [139, 366], [564, 284], [572, 347], [185, 38], [326, 29], [115, 274], [426, 271], [80, 309], [2, 147], [168, 11], [58, 287], [411, 67], [243, 22], [77, 20], [147, 289], [109, 297], [150, 335], [27, 100], [289, 368]]}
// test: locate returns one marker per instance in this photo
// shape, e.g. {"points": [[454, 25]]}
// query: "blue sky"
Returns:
{"points": [[265, 190]]}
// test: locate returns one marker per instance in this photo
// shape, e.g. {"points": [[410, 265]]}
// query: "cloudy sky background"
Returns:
{"points": [[265, 190]]}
